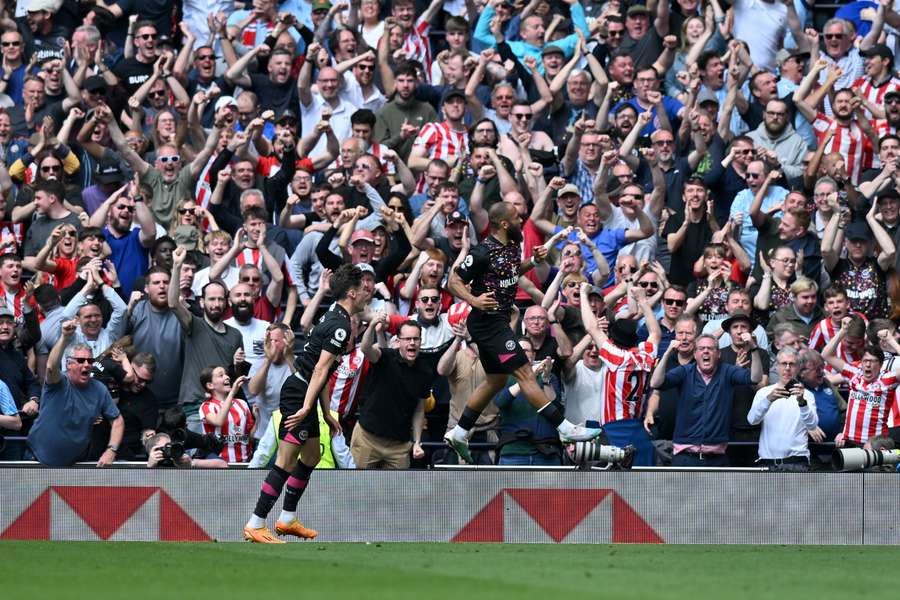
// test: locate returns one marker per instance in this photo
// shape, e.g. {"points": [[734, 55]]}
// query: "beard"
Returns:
{"points": [[515, 234], [242, 311]]}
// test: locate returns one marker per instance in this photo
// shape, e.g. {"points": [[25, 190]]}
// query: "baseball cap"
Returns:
{"points": [[366, 268], [552, 49], [225, 101], [108, 173], [287, 115], [857, 230], [362, 235], [453, 93], [321, 5], [5, 312], [879, 50], [48, 5], [892, 92], [456, 217], [889, 193], [623, 333], [784, 54], [706, 95], [569, 188], [637, 9], [186, 236]]}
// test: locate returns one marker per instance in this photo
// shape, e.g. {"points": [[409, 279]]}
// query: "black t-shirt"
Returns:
{"points": [[133, 73], [139, 410], [643, 51], [274, 97], [743, 399], [332, 334], [696, 239], [493, 267], [395, 389]]}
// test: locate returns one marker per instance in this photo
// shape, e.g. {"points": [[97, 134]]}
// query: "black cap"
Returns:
{"points": [[738, 317], [890, 193], [108, 173], [95, 83], [456, 217], [879, 50], [287, 115], [623, 333], [453, 93], [891, 92], [857, 230]]}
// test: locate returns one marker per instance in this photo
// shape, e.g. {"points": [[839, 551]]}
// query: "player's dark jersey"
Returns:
{"points": [[331, 333], [493, 267]]}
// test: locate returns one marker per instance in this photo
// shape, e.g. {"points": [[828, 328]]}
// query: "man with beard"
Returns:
{"points": [[252, 330], [890, 124], [359, 87], [851, 134], [493, 268], [399, 121], [155, 329], [582, 158], [129, 245], [61, 434], [777, 136], [705, 395], [275, 90], [167, 177], [208, 342]]}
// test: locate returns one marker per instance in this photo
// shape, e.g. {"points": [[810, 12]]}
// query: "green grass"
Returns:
{"points": [[134, 570]]}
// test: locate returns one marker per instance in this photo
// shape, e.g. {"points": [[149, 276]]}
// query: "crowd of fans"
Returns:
{"points": [[182, 180]]}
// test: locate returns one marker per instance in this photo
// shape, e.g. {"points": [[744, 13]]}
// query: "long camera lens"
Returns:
{"points": [[857, 459]]}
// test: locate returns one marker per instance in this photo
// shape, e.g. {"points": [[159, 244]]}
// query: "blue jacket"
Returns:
{"points": [[484, 36], [704, 410]]}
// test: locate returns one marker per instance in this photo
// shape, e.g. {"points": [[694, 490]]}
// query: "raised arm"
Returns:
{"points": [[883, 238], [369, 344], [237, 73], [174, 293]]}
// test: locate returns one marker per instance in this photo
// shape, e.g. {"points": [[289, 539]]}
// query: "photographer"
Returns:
{"points": [[163, 452], [787, 412]]}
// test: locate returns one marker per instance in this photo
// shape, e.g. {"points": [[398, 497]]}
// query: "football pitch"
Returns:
{"points": [[435, 571]]}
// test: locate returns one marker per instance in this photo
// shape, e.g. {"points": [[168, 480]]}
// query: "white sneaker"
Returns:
{"points": [[580, 433], [460, 445]]}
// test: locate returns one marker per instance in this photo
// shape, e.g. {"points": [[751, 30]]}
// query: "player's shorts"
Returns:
{"points": [[308, 428], [497, 347]]}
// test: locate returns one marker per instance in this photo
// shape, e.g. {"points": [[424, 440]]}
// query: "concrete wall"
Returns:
{"points": [[512, 506]]}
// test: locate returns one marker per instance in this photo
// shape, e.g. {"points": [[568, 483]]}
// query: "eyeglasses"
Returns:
{"points": [[410, 339], [169, 158], [147, 36], [81, 360], [8, 44], [772, 113], [674, 302], [157, 94], [70, 233], [536, 319], [744, 151], [125, 207], [522, 116], [141, 380], [664, 143], [50, 168], [786, 364], [430, 299]]}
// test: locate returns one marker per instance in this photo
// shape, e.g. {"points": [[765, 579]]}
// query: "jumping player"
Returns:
{"points": [[298, 434], [493, 268]]}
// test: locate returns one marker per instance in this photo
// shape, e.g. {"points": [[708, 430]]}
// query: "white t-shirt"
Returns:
{"points": [[340, 120], [763, 26], [201, 278], [583, 395]]}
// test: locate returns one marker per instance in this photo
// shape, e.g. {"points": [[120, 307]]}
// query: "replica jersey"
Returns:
{"points": [[235, 433], [868, 405], [624, 378], [346, 381], [493, 267]]}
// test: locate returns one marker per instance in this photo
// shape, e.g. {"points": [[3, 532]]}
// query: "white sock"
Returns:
{"points": [[256, 522], [287, 517], [566, 427]]}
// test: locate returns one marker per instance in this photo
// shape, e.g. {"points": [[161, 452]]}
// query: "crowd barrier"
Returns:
{"points": [[683, 507]]}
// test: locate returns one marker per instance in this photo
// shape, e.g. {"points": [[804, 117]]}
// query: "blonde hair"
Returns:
{"points": [[803, 285]]}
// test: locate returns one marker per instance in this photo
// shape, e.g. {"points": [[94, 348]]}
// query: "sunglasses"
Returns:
{"points": [[147, 36], [664, 143], [125, 207], [429, 299], [754, 175], [250, 279], [185, 211], [646, 284], [81, 360], [157, 94], [206, 57], [50, 168], [834, 36], [173, 158], [141, 380], [618, 33], [674, 302], [70, 233], [628, 269], [523, 117], [366, 67], [8, 44]]}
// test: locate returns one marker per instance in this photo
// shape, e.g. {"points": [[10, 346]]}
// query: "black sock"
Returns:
{"points": [[296, 485], [552, 413], [271, 489], [468, 418]]}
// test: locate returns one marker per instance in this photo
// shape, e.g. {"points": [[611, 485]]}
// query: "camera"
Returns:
{"points": [[584, 454], [857, 459], [174, 424], [792, 384]]}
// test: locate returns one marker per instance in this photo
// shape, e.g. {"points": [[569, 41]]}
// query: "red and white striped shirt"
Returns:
{"points": [[416, 45], [14, 300], [624, 378], [439, 141], [344, 383], [826, 329], [236, 430], [868, 405], [875, 93], [849, 141], [203, 189]]}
